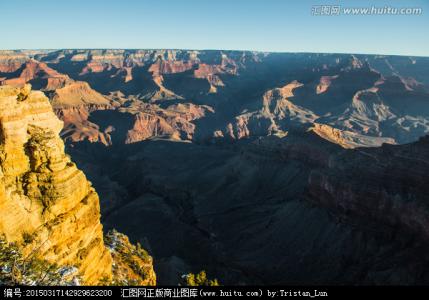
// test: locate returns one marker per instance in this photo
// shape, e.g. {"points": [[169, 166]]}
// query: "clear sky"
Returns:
{"points": [[265, 25]]}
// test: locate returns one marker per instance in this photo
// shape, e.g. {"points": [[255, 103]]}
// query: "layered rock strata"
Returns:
{"points": [[47, 205]]}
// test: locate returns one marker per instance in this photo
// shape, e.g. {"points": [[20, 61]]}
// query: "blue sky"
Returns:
{"points": [[264, 25]]}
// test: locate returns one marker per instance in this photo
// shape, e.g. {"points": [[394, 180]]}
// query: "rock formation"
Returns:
{"points": [[73, 103], [174, 122], [43, 195], [10, 61], [251, 94]]}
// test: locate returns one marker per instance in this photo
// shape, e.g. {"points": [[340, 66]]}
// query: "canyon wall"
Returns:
{"points": [[47, 205]]}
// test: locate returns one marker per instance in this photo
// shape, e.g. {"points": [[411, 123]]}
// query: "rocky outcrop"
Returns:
{"points": [[132, 264], [78, 93], [47, 205], [78, 128], [325, 82], [275, 116], [348, 139], [73, 104], [38, 73], [174, 122], [10, 61], [170, 67]]}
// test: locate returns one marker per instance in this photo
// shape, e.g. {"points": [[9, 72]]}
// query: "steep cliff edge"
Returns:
{"points": [[47, 205]]}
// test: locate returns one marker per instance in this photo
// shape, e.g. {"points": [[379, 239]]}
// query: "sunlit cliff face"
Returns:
{"points": [[43, 195]]}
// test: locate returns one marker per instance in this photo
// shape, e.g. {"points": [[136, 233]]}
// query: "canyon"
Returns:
{"points": [[261, 168]]}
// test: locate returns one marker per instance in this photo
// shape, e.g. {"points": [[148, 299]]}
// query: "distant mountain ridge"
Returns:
{"points": [[361, 97]]}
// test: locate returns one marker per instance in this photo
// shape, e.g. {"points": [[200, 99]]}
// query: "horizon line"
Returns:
{"points": [[228, 50]]}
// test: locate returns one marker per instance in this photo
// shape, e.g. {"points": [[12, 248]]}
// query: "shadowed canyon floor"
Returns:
{"points": [[292, 210], [262, 168]]}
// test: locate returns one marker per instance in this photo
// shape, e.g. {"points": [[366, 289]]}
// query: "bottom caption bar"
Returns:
{"points": [[324, 292]]}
